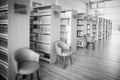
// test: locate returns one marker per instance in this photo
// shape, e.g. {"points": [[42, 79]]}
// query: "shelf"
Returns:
{"points": [[65, 25], [80, 19], [45, 33], [80, 30], [3, 21], [80, 24], [3, 49], [39, 24], [37, 15], [4, 63], [46, 59], [44, 51], [41, 42], [4, 8], [81, 46], [5, 36]]}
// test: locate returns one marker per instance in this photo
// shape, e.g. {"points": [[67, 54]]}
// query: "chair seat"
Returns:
{"points": [[66, 53], [28, 67]]}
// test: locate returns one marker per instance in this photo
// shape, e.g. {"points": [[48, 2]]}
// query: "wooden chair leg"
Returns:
{"points": [[38, 75], [24, 76], [93, 45], [16, 77], [31, 76], [64, 62], [71, 59], [56, 59], [62, 58]]}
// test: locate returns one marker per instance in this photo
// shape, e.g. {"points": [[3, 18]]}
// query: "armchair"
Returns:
{"points": [[63, 51], [27, 62]]}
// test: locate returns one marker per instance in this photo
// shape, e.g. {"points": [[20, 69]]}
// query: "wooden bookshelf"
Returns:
{"points": [[4, 27], [100, 29], [95, 28], [81, 28], [89, 29], [4, 35], [69, 28], [45, 30]]}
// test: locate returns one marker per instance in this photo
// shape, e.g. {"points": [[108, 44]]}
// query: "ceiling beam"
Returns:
{"points": [[85, 1], [98, 1]]}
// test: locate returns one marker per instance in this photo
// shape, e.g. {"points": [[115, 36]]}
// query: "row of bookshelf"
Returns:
{"points": [[3, 49], [4, 35], [45, 22]]}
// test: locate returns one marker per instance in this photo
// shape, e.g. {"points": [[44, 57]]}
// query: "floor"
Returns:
{"points": [[103, 63]]}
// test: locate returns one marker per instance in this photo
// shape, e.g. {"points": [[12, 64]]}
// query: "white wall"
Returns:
{"points": [[65, 4], [73, 4]]}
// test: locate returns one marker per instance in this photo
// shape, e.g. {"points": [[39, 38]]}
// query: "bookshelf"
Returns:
{"points": [[107, 28], [81, 27], [45, 30], [89, 29], [104, 29], [100, 29], [110, 27], [69, 27], [95, 28], [4, 35]]}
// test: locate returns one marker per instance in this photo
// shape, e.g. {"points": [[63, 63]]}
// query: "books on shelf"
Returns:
{"points": [[45, 25], [68, 27]]}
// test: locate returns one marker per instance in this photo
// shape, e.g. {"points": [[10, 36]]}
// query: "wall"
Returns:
{"points": [[65, 4], [73, 4]]}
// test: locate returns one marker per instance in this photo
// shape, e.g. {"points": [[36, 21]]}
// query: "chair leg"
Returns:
{"points": [[87, 44], [62, 58], [16, 77], [24, 76], [71, 59], [56, 59], [64, 62], [38, 75], [31, 76], [93, 45]]}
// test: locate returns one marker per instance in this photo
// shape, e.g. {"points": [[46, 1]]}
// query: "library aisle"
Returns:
{"points": [[103, 63]]}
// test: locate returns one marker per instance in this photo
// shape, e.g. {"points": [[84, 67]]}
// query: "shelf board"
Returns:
{"points": [[4, 63], [46, 59], [40, 50], [65, 25], [79, 36], [3, 21], [4, 8], [80, 30], [3, 49], [80, 19], [38, 14], [65, 18], [39, 24], [81, 46], [45, 33], [5, 36], [80, 24], [41, 42]]}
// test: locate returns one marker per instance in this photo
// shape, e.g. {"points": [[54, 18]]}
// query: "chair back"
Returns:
{"points": [[58, 48], [85, 38], [25, 54]]}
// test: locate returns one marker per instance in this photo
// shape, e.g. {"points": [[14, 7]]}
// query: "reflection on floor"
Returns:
{"points": [[103, 63]]}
